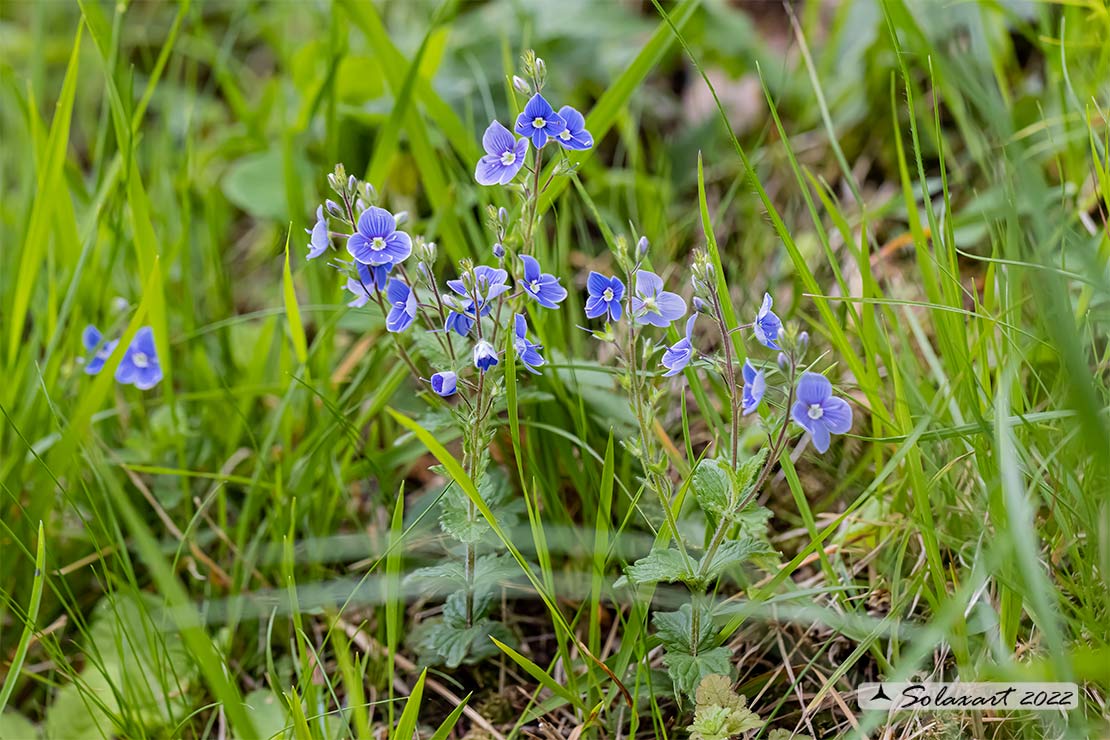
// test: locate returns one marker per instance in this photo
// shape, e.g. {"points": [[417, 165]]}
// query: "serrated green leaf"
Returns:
{"points": [[735, 553], [745, 475], [660, 566], [674, 628], [687, 671], [712, 484], [713, 722]]}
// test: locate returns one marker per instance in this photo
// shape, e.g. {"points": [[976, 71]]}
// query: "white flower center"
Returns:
{"points": [[607, 295], [650, 304], [534, 286], [377, 244], [508, 158], [565, 135], [538, 122], [140, 360], [815, 411]]}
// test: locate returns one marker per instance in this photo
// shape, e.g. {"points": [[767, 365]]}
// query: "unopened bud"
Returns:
{"points": [[502, 214], [700, 306], [352, 182], [541, 68], [521, 85], [642, 247], [784, 361], [803, 343], [401, 217], [334, 208], [498, 250]]}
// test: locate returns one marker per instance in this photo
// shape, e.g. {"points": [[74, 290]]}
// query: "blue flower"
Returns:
{"points": [[679, 354], [653, 305], [370, 280], [539, 121], [527, 352], [402, 300], [818, 411], [767, 325], [489, 283], [755, 385], [139, 366], [605, 296], [319, 242], [377, 241], [504, 156], [574, 136], [445, 383], [544, 287], [93, 341], [485, 356]]}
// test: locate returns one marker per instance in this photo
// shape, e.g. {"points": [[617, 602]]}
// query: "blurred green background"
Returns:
{"points": [[923, 186]]}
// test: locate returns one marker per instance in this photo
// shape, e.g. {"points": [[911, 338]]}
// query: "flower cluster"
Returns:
{"points": [[138, 367], [537, 123]]}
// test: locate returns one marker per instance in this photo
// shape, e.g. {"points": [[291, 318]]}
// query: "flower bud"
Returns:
{"points": [[803, 343], [503, 214], [642, 247], [784, 361], [334, 208], [521, 85], [352, 183], [498, 250], [700, 306], [541, 68], [401, 217]]}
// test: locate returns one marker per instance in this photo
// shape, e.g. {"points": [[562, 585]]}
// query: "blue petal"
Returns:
{"points": [[91, 337], [376, 222], [813, 388], [531, 268], [497, 139]]}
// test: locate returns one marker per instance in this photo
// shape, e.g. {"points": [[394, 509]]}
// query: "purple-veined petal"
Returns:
{"points": [[820, 435], [144, 342], [648, 283], [497, 139], [398, 246], [376, 222], [671, 305], [596, 283], [690, 326], [596, 307], [396, 291], [813, 388], [538, 107], [489, 170], [765, 307], [531, 268], [616, 309], [574, 120], [837, 415], [748, 372]]}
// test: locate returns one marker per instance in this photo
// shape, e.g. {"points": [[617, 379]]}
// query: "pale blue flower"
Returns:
{"points": [[653, 305], [818, 411]]}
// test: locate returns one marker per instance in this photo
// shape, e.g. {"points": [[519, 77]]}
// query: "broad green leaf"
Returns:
{"points": [[674, 629], [660, 566], [712, 484], [687, 671]]}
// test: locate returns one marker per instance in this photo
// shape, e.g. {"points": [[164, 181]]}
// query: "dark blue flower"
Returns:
{"points": [[574, 136], [370, 280], [755, 385], [489, 283], [402, 301], [139, 366], [485, 356], [319, 242], [679, 354], [819, 412], [445, 383], [767, 325], [527, 352], [504, 156], [93, 341], [544, 287], [653, 305], [539, 121], [377, 241], [605, 296]]}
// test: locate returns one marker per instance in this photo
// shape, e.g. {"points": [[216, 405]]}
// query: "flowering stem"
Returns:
{"points": [[776, 450], [730, 376], [396, 341]]}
